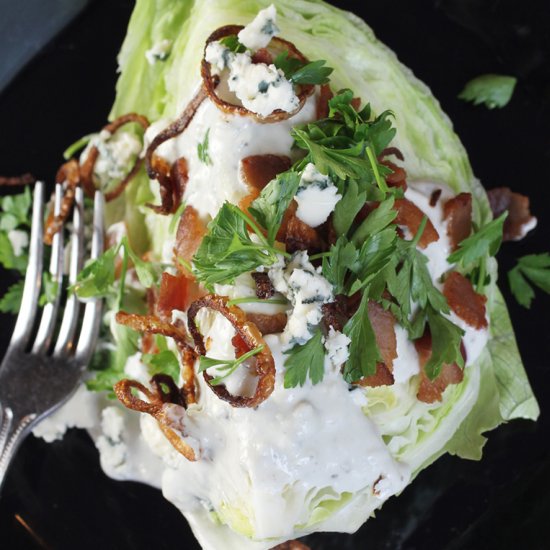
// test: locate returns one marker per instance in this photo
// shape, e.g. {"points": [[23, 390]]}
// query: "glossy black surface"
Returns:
{"points": [[501, 502]]}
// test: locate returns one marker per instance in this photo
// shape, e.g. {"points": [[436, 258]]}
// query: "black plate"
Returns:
{"points": [[56, 495]]}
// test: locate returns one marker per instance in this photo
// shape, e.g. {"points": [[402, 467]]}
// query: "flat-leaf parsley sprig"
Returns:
{"points": [[531, 270], [226, 366]]}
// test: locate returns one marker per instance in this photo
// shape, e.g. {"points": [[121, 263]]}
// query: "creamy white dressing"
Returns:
{"points": [[231, 138]]}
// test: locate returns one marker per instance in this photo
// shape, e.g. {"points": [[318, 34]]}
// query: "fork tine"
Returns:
{"points": [[33, 277], [65, 338], [92, 311], [49, 315]]}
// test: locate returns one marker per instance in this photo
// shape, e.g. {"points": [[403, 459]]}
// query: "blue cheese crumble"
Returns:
{"points": [[307, 290], [316, 197], [259, 33], [159, 51]]}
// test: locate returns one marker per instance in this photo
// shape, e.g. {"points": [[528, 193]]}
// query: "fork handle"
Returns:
{"points": [[12, 432]]}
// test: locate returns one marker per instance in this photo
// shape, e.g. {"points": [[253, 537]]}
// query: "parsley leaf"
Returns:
{"points": [[275, 198], [481, 244], [8, 258], [232, 42], [306, 360], [446, 339], [164, 362], [533, 269], [227, 366], [347, 207], [493, 90], [227, 250], [16, 211], [376, 221], [341, 256], [299, 72], [202, 150], [11, 301], [363, 349]]}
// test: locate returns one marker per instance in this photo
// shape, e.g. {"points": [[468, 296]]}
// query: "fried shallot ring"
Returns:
{"points": [[69, 174], [87, 168], [16, 181], [210, 82], [252, 337], [161, 405], [157, 168], [151, 324]]}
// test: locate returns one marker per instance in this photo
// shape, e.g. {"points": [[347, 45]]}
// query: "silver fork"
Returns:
{"points": [[37, 374]]}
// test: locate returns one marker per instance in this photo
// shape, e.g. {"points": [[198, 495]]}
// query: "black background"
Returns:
{"points": [[501, 502]]}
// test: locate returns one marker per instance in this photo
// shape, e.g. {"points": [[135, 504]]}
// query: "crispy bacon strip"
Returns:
{"points": [[158, 168], [264, 286], [458, 213], [398, 177], [325, 95], [268, 323], [87, 167], [15, 181], [276, 46], [464, 300], [301, 236], [151, 324], [409, 215], [258, 171], [504, 199], [69, 174], [434, 197], [190, 232], [172, 294], [264, 363], [430, 391], [161, 405], [383, 323], [291, 545]]}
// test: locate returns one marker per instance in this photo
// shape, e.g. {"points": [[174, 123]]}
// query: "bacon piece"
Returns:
{"points": [[268, 323], [336, 314], [159, 169], [383, 324], [398, 177], [24, 179], [276, 46], [172, 294], [409, 215], [68, 174], [464, 300], [264, 286], [191, 230], [325, 95], [391, 151], [239, 344], [430, 391], [264, 363], [458, 213], [291, 545], [258, 171], [301, 236], [262, 56], [434, 197], [87, 168], [356, 103], [503, 199]]}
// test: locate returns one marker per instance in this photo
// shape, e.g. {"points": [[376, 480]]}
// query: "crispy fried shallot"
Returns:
{"points": [[171, 179], [409, 215], [430, 391], [464, 300], [249, 333], [151, 324], [87, 167], [165, 406], [458, 213], [16, 181], [276, 46], [519, 218], [69, 175]]}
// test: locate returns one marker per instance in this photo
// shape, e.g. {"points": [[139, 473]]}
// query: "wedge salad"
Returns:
{"points": [[302, 309]]}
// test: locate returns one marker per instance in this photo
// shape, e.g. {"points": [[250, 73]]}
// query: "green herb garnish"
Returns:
{"points": [[531, 270], [227, 366], [493, 90], [202, 150], [305, 360]]}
